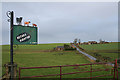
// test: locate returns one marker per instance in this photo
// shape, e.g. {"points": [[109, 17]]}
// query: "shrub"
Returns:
{"points": [[97, 60]]}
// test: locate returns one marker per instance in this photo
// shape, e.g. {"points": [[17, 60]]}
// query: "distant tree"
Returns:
{"points": [[79, 41], [75, 40], [66, 46], [100, 40]]}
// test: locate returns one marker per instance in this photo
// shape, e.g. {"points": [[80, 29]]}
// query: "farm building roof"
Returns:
{"points": [[60, 46]]}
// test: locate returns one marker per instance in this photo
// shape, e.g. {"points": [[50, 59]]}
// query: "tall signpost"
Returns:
{"points": [[19, 35], [10, 14]]}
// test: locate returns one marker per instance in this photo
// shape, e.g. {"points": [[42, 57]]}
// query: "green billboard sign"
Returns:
{"points": [[24, 35]]}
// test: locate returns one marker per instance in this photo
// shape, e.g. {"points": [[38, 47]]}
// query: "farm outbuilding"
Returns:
{"points": [[92, 42], [59, 48], [103, 42]]}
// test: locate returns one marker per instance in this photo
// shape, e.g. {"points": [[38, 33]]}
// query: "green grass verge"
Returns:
{"points": [[109, 50], [43, 55]]}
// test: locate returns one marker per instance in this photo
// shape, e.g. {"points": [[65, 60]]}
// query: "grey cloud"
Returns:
{"points": [[62, 22]]}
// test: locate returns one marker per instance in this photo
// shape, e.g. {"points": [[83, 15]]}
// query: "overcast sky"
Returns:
{"points": [[63, 22]]}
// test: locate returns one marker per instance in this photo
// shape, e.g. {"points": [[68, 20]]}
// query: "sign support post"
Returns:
{"points": [[29, 36], [10, 14], [11, 47]]}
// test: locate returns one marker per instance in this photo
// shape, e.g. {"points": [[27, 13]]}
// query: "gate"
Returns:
{"points": [[114, 71]]}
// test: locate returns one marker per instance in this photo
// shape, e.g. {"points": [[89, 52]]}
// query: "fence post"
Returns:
{"points": [[116, 68], [19, 73], [60, 72], [91, 72]]}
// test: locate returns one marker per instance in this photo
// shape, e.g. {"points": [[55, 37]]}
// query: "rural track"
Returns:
{"points": [[89, 56]]}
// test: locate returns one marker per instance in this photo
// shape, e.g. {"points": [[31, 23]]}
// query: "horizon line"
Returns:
{"points": [[53, 43]]}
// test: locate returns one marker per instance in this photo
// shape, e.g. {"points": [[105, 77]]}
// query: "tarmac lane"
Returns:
{"points": [[89, 56]]}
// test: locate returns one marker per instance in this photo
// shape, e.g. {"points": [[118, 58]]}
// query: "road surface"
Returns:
{"points": [[89, 56]]}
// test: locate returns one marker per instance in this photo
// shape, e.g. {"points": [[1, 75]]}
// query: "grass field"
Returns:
{"points": [[43, 55], [110, 50]]}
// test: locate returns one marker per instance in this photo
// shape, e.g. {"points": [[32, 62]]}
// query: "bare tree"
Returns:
{"points": [[75, 40], [100, 40], [79, 41]]}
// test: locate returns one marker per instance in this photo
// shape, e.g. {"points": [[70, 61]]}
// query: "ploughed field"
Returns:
{"points": [[44, 55]]}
